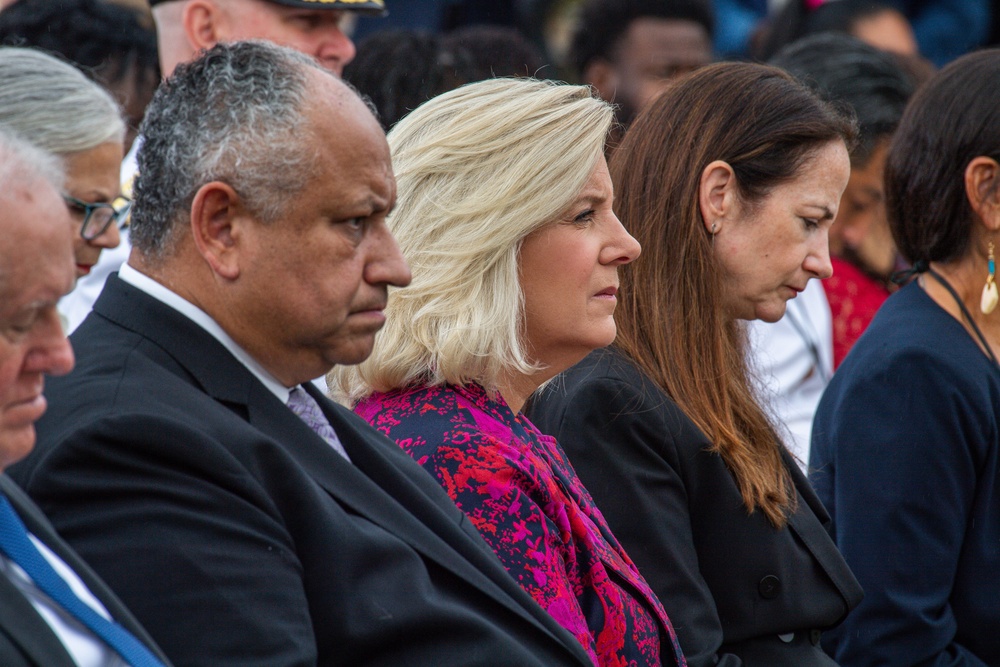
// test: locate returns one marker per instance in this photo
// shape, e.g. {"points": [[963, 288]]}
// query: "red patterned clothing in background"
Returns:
{"points": [[854, 298], [521, 493]]}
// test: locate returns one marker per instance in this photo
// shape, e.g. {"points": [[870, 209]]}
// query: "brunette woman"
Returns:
{"points": [[730, 181]]}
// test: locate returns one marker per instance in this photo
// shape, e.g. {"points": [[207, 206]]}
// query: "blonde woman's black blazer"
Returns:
{"points": [[738, 591]]}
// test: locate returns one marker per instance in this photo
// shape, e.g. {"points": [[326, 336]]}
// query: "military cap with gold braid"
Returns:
{"points": [[365, 6]]}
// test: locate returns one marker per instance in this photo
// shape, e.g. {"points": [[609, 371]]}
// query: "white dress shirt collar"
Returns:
{"points": [[170, 298]]}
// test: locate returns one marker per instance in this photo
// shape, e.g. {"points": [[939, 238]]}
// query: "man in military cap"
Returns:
{"points": [[314, 27]]}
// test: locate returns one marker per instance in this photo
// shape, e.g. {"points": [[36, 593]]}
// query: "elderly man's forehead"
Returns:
{"points": [[37, 235], [24, 187], [26, 190]]}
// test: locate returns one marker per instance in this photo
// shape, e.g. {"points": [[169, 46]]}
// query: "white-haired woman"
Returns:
{"points": [[504, 214], [54, 106]]}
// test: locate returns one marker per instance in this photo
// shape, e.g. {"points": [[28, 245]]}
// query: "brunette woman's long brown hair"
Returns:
{"points": [[671, 321]]}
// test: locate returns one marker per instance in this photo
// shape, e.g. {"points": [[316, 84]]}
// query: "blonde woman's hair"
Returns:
{"points": [[478, 169]]}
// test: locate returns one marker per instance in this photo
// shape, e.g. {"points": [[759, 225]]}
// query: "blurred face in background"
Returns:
{"points": [[314, 32], [651, 53], [861, 234], [888, 31]]}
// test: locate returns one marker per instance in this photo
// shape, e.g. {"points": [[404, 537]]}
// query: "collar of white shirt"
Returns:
{"points": [[170, 298]]}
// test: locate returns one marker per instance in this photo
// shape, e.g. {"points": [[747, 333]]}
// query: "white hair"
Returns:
{"points": [[53, 105], [23, 168]]}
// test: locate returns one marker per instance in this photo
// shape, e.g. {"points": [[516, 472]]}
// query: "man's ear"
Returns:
{"points": [[982, 187], [717, 196], [602, 75], [217, 220], [203, 22]]}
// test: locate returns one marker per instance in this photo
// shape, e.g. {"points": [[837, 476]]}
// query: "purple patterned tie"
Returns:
{"points": [[306, 407]]}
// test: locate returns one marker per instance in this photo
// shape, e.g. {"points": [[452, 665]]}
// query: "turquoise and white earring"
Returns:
{"points": [[990, 296]]}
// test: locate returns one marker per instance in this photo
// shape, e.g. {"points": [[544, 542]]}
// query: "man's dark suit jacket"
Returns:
{"points": [[240, 537], [26, 639], [730, 581]]}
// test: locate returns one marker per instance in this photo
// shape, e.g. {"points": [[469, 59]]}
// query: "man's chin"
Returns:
{"points": [[852, 256], [355, 353], [15, 443]]}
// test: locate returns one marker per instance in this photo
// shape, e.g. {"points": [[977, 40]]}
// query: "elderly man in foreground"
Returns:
{"points": [[246, 519], [54, 611]]}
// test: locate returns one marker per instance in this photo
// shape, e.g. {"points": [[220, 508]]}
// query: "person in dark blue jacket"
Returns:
{"points": [[906, 440]]}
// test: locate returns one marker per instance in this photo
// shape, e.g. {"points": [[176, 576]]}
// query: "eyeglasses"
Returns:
{"points": [[98, 216]]}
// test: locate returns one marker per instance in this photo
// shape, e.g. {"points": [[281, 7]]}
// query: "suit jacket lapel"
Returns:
{"points": [[26, 629], [814, 536]]}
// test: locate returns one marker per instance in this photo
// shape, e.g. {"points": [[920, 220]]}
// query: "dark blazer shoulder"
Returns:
{"points": [[614, 392]]}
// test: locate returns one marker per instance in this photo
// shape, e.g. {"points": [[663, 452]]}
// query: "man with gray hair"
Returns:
{"points": [[54, 610], [245, 518], [185, 28]]}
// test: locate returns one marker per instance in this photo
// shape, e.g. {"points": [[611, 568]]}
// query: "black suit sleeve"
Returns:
{"points": [[198, 541], [622, 440]]}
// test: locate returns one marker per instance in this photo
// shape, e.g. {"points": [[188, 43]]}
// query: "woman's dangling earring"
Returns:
{"points": [[990, 295], [713, 234]]}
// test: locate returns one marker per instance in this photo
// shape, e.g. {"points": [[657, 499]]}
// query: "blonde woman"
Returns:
{"points": [[504, 214]]}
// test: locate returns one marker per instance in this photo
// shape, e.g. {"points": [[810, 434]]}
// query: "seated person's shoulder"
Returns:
{"points": [[609, 386]]}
